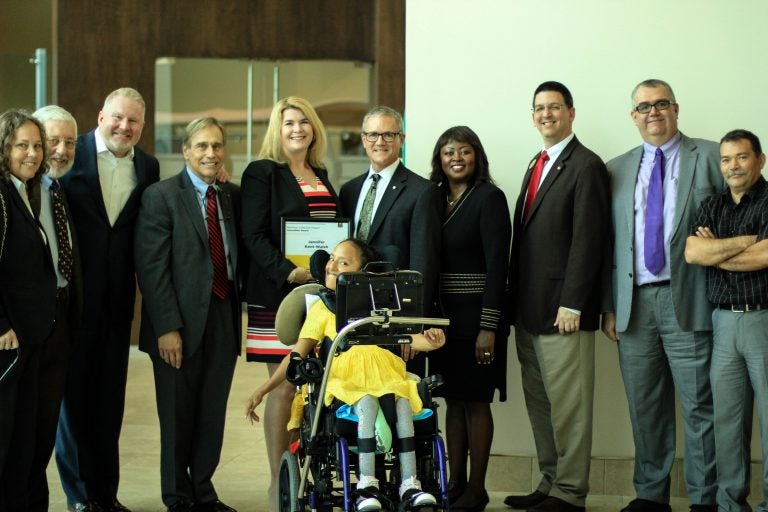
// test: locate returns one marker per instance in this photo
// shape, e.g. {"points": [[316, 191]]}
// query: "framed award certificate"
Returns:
{"points": [[303, 236]]}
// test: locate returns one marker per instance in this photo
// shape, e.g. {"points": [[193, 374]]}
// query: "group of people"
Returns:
{"points": [[658, 247]]}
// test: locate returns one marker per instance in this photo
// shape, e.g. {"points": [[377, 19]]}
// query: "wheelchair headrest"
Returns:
{"points": [[292, 312]]}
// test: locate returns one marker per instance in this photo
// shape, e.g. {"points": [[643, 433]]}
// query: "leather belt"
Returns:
{"points": [[741, 308], [654, 284]]}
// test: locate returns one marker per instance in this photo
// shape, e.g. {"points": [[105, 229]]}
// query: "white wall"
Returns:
{"points": [[478, 62]]}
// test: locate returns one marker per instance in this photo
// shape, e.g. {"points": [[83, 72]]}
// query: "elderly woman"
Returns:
{"points": [[288, 180], [33, 344], [473, 276]]}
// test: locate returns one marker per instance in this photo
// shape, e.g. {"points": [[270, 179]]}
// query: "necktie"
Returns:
{"points": [[654, 217], [366, 213], [216, 242], [533, 184], [62, 231]]}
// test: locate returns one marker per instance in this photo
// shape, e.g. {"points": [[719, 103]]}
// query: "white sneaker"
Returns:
{"points": [[367, 492], [412, 495]]}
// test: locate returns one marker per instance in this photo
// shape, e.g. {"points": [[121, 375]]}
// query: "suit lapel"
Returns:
{"points": [[192, 205], [225, 203], [91, 175], [349, 200], [394, 189], [295, 190], [688, 158], [625, 195], [552, 176]]}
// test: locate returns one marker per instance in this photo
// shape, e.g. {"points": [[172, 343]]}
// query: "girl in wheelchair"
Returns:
{"points": [[359, 376]]}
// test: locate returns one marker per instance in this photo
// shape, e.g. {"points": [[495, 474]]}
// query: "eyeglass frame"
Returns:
{"points": [[374, 136], [651, 106]]}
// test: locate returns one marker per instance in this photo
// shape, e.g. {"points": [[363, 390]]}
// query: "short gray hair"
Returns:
{"points": [[126, 92], [653, 83], [54, 113], [382, 110]]}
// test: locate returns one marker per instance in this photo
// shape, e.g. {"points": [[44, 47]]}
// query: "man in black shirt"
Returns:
{"points": [[730, 238]]}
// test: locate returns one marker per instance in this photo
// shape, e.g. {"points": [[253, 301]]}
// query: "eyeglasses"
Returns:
{"points": [[68, 143], [387, 136], [554, 107], [645, 108]]}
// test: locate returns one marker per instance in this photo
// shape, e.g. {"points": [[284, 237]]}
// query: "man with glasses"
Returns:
{"points": [[390, 204], [658, 307], [558, 247]]}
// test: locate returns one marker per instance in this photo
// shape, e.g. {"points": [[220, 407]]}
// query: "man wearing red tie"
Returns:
{"points": [[186, 252], [560, 240]]}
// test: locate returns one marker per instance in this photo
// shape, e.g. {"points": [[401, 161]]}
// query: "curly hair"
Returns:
{"points": [[10, 122]]}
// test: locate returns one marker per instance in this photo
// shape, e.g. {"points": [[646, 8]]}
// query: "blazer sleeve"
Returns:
{"points": [[496, 235], [591, 211], [256, 187], [425, 239], [153, 255]]}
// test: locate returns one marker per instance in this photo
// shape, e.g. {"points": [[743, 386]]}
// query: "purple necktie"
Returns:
{"points": [[654, 217]]}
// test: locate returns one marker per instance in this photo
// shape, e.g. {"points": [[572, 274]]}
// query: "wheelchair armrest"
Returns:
{"points": [[426, 385]]}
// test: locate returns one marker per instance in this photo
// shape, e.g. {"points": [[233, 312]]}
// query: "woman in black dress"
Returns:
{"points": [[473, 278], [288, 180]]}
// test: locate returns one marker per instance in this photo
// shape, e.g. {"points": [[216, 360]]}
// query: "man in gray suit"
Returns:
{"points": [[658, 306], [186, 252]]}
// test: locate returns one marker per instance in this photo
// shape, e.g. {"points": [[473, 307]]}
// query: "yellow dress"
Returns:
{"points": [[361, 370]]}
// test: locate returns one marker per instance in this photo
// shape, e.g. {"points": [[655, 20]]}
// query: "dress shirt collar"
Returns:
{"points": [[101, 146], [200, 185], [20, 185], [669, 147], [387, 172], [554, 151]]}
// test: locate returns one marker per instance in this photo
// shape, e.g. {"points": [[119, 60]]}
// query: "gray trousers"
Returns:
{"points": [[739, 376], [657, 358]]}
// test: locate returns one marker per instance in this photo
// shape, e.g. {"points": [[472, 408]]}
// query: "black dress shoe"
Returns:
{"points": [[478, 505], [213, 506], [641, 505], [112, 505], [182, 506], [703, 508], [86, 506], [525, 501], [552, 504]]}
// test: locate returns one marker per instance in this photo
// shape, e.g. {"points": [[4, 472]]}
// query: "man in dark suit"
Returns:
{"points": [[187, 264], [661, 313], [560, 232], [104, 190], [391, 205]]}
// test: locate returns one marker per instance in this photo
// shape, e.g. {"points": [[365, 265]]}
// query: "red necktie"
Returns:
{"points": [[216, 242], [533, 184]]}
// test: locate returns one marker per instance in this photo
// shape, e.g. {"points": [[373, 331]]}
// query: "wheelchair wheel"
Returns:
{"points": [[288, 484]]}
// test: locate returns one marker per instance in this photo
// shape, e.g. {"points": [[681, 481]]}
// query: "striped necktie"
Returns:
{"points": [[216, 242]]}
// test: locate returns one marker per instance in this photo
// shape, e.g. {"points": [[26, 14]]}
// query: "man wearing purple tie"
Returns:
{"points": [[656, 304]]}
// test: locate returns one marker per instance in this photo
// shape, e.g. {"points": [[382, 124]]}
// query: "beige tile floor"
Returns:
{"points": [[243, 475]]}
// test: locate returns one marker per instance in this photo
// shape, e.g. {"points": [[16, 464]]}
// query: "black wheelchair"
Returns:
{"points": [[375, 306]]}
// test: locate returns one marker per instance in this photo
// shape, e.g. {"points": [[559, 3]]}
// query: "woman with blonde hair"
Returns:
{"points": [[288, 180]]}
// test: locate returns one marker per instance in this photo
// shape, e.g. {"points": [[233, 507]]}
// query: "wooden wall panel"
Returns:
{"points": [[101, 45]]}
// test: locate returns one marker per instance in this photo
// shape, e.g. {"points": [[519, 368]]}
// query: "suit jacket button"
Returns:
{"points": [[630, 274]]}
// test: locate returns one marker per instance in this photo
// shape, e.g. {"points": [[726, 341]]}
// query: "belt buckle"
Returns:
{"points": [[738, 308]]}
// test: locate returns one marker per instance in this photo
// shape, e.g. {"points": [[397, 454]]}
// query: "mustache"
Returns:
{"points": [[731, 174]]}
